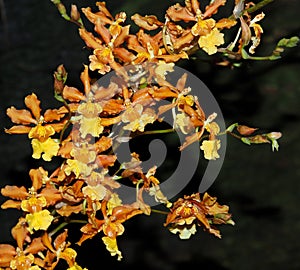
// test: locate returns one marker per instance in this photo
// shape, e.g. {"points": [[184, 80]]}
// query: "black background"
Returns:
{"points": [[261, 187]]}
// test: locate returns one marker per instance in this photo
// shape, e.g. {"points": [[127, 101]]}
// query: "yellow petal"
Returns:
{"points": [[95, 193], [39, 221], [210, 41], [210, 148], [49, 147], [90, 126], [112, 247]]}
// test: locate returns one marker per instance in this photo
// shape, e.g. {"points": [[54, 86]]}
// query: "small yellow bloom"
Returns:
{"points": [[138, 118], [68, 254], [90, 126], [184, 123], [83, 154], [89, 109], [39, 220], [22, 261], [33, 204], [78, 168], [112, 247], [113, 202], [210, 41], [210, 148], [212, 128], [184, 232], [95, 193], [49, 147], [41, 133]]}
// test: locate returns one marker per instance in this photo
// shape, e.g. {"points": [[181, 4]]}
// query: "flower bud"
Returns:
{"points": [[75, 15]]}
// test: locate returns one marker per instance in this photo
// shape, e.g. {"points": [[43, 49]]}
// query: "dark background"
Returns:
{"points": [[261, 187]]}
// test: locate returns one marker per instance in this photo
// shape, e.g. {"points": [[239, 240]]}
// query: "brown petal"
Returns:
{"points": [[84, 76], [33, 103], [90, 40], [18, 130], [110, 121], [60, 239], [133, 44], [23, 117], [103, 9], [35, 246], [72, 94], [102, 31], [225, 23], [36, 178], [126, 211], [124, 55], [191, 139], [67, 210], [52, 115], [102, 16], [148, 22], [14, 192], [7, 253], [51, 194], [103, 144], [11, 204], [20, 232], [122, 36], [113, 106], [106, 160], [179, 13], [213, 8]]}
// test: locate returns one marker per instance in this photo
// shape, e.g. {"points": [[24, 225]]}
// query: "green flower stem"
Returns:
{"points": [[254, 8], [160, 131], [258, 6], [64, 224], [159, 211]]}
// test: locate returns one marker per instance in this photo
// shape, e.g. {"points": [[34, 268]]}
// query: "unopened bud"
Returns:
{"points": [[60, 77], [75, 15], [246, 32], [244, 130], [274, 135]]}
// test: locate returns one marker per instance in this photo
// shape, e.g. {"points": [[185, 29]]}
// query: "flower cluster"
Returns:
{"points": [[95, 120]]}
